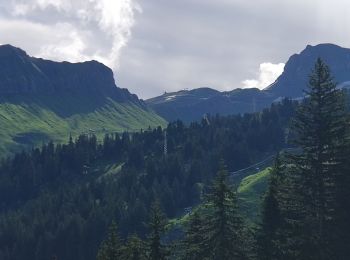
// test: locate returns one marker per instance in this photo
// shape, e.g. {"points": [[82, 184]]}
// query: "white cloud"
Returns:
{"points": [[69, 45], [268, 73], [70, 30], [175, 44]]}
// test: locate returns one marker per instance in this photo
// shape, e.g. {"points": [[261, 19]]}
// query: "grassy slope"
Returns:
{"points": [[250, 193], [26, 122]]}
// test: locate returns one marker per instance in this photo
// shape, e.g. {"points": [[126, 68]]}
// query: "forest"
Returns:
{"points": [[113, 199]]}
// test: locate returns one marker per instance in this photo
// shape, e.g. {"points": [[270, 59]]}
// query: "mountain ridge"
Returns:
{"points": [[43, 100], [299, 66], [191, 105], [187, 106], [23, 74]]}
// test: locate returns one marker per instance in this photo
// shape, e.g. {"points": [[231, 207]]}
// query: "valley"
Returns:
{"points": [[88, 168]]}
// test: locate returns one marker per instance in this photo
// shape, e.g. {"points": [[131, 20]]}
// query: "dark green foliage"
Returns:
{"points": [[111, 248], [343, 195], [192, 246], [309, 194], [134, 249], [157, 221], [222, 228], [60, 199], [321, 130], [271, 217]]}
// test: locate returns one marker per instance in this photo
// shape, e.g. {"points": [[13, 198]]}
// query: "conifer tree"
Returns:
{"points": [[343, 242], [134, 249], [111, 248], [342, 222], [222, 227], [310, 206], [192, 244], [271, 217], [157, 222]]}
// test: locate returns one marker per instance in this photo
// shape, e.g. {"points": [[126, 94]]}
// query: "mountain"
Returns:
{"points": [[295, 76], [191, 105], [22, 74], [42, 100]]}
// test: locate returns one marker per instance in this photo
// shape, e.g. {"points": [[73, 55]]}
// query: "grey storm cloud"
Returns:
{"points": [[69, 30], [161, 45]]}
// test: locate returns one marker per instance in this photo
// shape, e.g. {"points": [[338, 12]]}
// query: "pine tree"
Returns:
{"points": [[343, 198], [222, 227], [134, 249], [343, 235], [192, 244], [271, 217], [157, 222], [111, 248], [310, 204]]}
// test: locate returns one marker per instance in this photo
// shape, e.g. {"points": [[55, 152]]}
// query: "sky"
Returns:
{"points": [[155, 46]]}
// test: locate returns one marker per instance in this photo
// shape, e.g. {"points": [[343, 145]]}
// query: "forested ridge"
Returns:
{"points": [[60, 199], [111, 200]]}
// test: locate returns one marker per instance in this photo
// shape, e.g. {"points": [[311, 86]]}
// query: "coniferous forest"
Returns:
{"points": [[116, 198]]}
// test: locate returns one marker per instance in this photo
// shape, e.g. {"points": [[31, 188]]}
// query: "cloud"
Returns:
{"points": [[156, 46], [268, 73], [70, 30], [194, 43]]}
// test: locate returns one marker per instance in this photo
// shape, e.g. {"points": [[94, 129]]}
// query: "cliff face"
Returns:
{"points": [[22, 74]]}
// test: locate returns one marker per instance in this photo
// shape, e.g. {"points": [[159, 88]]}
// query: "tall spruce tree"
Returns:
{"points": [[111, 248], [342, 235], [310, 204], [223, 226], [344, 208], [192, 244], [134, 249], [157, 223], [271, 217]]}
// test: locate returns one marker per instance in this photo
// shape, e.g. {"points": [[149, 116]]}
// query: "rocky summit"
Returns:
{"points": [[22, 74], [294, 79]]}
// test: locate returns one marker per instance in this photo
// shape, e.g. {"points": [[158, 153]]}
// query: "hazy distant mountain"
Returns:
{"points": [[189, 105], [193, 104], [42, 100]]}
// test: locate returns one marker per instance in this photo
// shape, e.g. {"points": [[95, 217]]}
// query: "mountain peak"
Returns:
{"points": [[294, 79], [324, 49], [22, 74], [323, 46], [9, 50]]}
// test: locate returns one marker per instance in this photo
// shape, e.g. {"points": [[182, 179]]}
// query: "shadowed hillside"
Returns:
{"points": [[43, 100]]}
